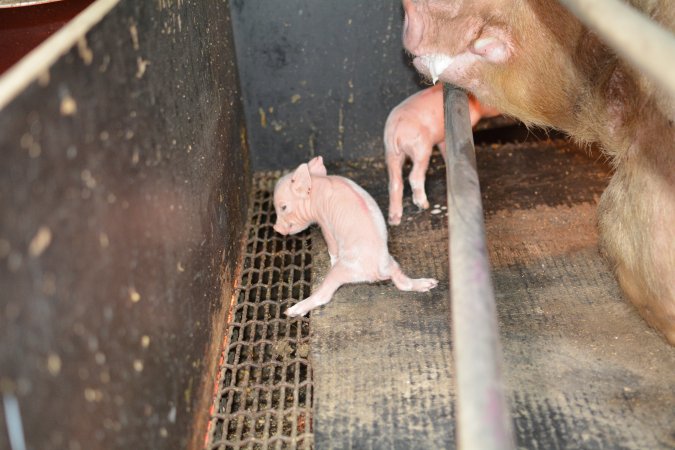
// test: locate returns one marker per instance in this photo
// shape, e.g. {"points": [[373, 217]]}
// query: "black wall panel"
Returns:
{"points": [[319, 77], [123, 195]]}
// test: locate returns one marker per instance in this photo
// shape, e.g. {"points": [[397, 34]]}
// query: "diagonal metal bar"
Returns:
{"points": [[633, 35]]}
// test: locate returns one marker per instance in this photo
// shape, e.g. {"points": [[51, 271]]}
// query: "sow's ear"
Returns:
{"points": [[316, 166], [494, 43], [301, 182]]}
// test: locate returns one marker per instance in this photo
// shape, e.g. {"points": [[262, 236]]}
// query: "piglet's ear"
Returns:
{"points": [[301, 182], [316, 166], [494, 44]]}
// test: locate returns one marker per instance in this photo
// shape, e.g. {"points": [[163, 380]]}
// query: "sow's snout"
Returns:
{"points": [[413, 26]]}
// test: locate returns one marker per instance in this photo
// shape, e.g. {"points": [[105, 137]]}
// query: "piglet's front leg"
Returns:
{"points": [[337, 276], [331, 243]]}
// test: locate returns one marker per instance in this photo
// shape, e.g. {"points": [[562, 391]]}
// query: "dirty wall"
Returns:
{"points": [[123, 193], [319, 77]]}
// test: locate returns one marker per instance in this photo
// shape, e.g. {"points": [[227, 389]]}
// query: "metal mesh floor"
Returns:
{"points": [[264, 389]]}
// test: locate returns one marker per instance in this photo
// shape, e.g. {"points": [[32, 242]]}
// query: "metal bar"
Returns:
{"points": [[13, 420], [19, 3], [635, 37], [40, 59], [483, 420]]}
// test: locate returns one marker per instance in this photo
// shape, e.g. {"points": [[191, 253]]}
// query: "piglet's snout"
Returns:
{"points": [[283, 227]]}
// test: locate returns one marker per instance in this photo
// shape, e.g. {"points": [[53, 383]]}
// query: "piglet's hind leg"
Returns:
{"points": [[404, 283], [417, 175], [337, 276], [395, 160]]}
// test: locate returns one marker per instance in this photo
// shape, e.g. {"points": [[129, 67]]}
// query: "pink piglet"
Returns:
{"points": [[352, 225], [412, 129]]}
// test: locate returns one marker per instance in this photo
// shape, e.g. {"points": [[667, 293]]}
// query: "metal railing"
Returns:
{"points": [[483, 420]]}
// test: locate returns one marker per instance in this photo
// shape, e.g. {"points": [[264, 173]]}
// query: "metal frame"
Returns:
{"points": [[483, 420]]}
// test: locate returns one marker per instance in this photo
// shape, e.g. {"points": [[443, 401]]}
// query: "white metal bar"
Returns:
{"points": [[634, 36], [40, 59], [13, 421], [20, 3]]}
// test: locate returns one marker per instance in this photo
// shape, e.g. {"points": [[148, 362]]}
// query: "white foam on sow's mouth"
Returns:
{"points": [[437, 64]]}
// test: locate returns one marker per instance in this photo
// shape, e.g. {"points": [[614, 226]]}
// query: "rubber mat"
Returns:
{"points": [[582, 369]]}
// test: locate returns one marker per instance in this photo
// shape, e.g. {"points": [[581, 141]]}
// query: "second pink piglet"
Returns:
{"points": [[412, 129]]}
